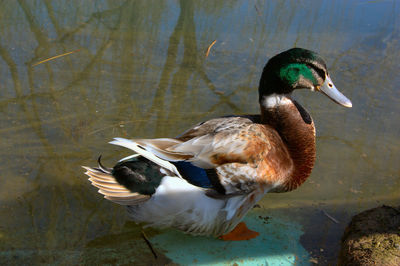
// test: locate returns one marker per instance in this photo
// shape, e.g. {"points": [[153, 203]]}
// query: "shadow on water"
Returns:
{"points": [[140, 70]]}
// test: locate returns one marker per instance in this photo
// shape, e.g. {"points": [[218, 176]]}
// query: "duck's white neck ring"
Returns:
{"points": [[274, 100]]}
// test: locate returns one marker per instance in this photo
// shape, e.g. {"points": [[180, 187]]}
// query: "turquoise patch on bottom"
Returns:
{"points": [[278, 244]]}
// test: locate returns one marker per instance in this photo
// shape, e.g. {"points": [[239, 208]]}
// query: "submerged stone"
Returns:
{"points": [[372, 238]]}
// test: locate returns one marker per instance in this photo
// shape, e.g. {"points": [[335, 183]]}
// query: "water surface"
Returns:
{"points": [[139, 70]]}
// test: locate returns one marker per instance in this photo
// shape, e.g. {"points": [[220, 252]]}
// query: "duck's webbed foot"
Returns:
{"points": [[240, 232]]}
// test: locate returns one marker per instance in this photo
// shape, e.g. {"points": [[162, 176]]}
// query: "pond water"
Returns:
{"points": [[138, 69]]}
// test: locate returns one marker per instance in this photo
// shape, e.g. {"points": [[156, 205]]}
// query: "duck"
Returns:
{"points": [[204, 181]]}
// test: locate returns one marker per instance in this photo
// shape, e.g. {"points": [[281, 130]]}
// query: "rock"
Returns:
{"points": [[372, 238]]}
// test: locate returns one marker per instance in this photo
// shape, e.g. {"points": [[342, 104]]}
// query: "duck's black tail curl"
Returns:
{"points": [[102, 168]]}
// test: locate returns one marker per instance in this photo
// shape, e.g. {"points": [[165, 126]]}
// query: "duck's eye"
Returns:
{"points": [[330, 85]]}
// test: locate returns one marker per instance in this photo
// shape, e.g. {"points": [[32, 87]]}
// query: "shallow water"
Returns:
{"points": [[138, 69]]}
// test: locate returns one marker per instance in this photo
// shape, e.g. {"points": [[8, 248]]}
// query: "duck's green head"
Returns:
{"points": [[298, 68]]}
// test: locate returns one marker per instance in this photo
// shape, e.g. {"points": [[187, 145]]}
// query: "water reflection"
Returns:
{"points": [[141, 71]]}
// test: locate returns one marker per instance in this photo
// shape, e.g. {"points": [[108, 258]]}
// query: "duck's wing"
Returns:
{"points": [[202, 143], [219, 124], [236, 148]]}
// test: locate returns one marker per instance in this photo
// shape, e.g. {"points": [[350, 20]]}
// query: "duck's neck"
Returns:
{"points": [[297, 131]]}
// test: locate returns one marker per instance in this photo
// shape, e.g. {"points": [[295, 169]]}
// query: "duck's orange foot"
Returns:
{"points": [[241, 232]]}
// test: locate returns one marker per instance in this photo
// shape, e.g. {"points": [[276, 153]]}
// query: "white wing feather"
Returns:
{"points": [[130, 144]]}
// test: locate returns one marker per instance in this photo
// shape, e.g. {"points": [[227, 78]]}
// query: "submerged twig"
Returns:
{"points": [[209, 48], [54, 57], [149, 244], [330, 217], [257, 10]]}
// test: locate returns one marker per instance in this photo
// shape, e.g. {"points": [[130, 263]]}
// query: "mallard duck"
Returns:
{"points": [[204, 181]]}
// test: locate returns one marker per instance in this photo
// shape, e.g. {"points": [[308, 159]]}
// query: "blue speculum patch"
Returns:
{"points": [[195, 175], [277, 244]]}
